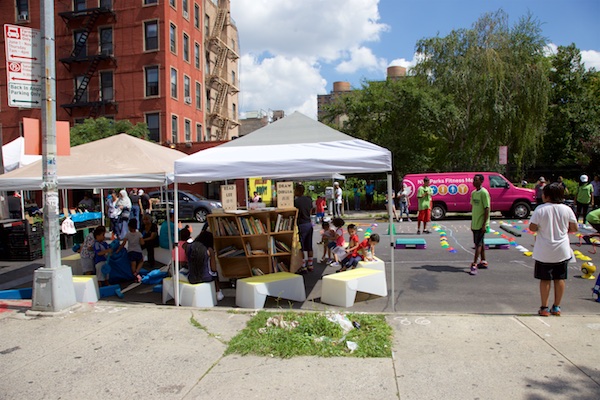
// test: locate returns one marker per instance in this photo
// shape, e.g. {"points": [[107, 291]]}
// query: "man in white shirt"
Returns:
{"points": [[337, 199]]}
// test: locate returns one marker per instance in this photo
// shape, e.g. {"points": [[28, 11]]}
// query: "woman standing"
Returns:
{"points": [[123, 208], [584, 197], [553, 221], [113, 214]]}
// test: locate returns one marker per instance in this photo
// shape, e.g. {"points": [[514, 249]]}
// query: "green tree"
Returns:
{"points": [[403, 115], [99, 128], [573, 124], [496, 76]]}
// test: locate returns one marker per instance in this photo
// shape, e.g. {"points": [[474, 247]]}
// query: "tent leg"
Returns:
{"points": [[391, 231], [176, 236]]}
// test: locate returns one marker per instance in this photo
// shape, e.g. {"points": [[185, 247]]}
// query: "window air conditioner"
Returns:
{"points": [[188, 100], [24, 16], [185, 15]]}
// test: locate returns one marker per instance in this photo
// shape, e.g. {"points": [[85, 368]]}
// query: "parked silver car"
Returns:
{"points": [[191, 205]]}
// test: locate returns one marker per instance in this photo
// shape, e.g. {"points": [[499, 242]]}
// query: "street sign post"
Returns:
{"points": [[23, 48]]}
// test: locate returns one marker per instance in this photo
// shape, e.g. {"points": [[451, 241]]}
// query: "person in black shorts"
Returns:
{"points": [[305, 229]]}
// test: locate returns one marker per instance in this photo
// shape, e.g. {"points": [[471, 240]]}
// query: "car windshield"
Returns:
{"points": [[193, 196]]}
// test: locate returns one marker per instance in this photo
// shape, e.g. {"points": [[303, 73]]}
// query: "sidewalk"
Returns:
{"points": [[129, 351]]}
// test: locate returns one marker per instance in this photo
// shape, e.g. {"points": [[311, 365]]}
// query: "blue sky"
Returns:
{"points": [[293, 50]]}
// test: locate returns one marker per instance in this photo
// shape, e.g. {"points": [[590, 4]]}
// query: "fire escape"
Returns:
{"points": [[85, 21], [218, 78]]}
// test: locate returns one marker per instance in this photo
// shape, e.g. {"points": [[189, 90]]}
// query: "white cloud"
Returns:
{"points": [[285, 43], [591, 59], [280, 83], [361, 58]]}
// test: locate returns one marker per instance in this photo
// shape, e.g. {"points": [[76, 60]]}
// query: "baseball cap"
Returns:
{"points": [[140, 192], [542, 179], [583, 178]]}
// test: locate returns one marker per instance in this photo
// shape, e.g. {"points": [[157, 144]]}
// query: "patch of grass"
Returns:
{"points": [[314, 335]]}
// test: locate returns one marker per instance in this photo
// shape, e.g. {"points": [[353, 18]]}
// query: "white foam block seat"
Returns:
{"points": [[252, 292], [161, 255], [86, 288], [375, 264], [73, 261], [340, 289], [190, 294]]}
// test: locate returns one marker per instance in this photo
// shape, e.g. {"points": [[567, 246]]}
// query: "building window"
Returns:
{"points": [[206, 25], [80, 48], [186, 47], [106, 4], [198, 132], [151, 74], [147, 2], [173, 83], [208, 100], [153, 123], [106, 41], [172, 3], [106, 86], [78, 121], [207, 63], [187, 129], [84, 95], [196, 16], [22, 10], [173, 38], [233, 44], [174, 124], [197, 55], [151, 35], [185, 8], [234, 111], [187, 89], [208, 134], [79, 5], [198, 95], [233, 78]]}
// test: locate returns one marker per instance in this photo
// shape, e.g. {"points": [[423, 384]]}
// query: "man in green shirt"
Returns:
{"points": [[424, 195], [593, 218], [584, 198], [480, 220]]}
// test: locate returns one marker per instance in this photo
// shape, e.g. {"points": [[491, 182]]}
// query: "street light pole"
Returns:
{"points": [[53, 288]]}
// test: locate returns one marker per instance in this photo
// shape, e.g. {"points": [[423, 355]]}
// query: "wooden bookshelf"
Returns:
{"points": [[255, 242]]}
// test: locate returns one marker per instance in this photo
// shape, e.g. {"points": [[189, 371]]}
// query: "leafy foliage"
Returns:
{"points": [[100, 128]]}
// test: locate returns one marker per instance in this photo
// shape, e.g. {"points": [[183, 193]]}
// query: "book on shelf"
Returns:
{"points": [[279, 266], [277, 223], [226, 249], [257, 272]]}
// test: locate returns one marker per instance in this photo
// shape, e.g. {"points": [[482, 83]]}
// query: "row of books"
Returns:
{"points": [[279, 266], [254, 252], [283, 223], [279, 247], [226, 227], [231, 251], [252, 226]]}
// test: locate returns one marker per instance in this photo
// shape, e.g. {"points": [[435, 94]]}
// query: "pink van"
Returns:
{"points": [[452, 193]]}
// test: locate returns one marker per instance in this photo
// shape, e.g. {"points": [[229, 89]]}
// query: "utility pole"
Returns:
{"points": [[53, 288]]}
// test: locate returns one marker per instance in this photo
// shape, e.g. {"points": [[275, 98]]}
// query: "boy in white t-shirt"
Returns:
{"points": [[553, 221], [134, 250]]}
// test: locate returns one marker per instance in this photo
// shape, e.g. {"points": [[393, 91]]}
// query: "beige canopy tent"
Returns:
{"points": [[117, 161]]}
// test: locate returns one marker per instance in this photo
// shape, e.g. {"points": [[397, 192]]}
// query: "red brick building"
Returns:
{"points": [[169, 63]]}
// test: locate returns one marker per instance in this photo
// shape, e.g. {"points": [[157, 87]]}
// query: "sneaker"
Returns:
{"points": [[473, 270], [400, 220], [555, 310], [310, 268], [482, 265], [543, 312], [426, 231], [302, 271], [409, 220], [335, 264], [418, 232], [220, 295]]}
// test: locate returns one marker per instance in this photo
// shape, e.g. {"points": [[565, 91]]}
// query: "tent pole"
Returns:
{"points": [[176, 237], [22, 205], [246, 191], [391, 230], [102, 206]]}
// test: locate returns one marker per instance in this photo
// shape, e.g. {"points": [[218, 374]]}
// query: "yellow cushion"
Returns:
{"points": [[352, 274], [278, 276]]}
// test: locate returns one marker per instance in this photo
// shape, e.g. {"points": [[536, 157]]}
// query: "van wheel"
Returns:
{"points": [[438, 212], [521, 210]]}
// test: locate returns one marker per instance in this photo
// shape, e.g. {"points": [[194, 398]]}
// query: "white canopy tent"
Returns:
{"points": [[292, 147], [13, 155]]}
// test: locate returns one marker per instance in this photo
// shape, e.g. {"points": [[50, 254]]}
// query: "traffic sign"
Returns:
{"points": [[23, 48]]}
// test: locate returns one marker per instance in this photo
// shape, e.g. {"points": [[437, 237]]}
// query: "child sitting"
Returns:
{"points": [[351, 251], [134, 250], [327, 236], [337, 244], [101, 250], [365, 251]]}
